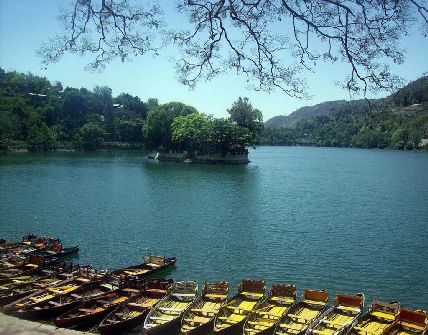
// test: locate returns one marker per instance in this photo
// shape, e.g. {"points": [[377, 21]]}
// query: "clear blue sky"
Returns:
{"points": [[25, 24]]}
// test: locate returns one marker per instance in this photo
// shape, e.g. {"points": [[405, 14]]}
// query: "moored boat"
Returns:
{"points": [[134, 311], [62, 303], [304, 314], [408, 322], [46, 294], [232, 316], [200, 318], [92, 311], [378, 317], [150, 265], [165, 317], [264, 319], [17, 291], [341, 317]]}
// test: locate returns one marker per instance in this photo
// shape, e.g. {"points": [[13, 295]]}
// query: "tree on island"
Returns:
{"points": [[270, 42], [158, 127]]}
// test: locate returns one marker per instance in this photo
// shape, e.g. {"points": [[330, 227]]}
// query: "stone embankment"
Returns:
{"points": [[14, 326]]}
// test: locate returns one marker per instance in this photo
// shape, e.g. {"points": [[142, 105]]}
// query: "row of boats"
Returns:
{"points": [[116, 301]]}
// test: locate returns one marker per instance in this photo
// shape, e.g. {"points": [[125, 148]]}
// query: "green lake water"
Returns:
{"points": [[344, 220]]}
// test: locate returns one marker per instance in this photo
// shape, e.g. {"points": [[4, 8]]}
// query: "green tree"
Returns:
{"points": [[158, 130], [191, 132], [41, 138], [90, 136], [248, 117], [227, 136]]}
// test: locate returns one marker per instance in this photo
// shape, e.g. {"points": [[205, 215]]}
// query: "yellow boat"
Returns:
{"points": [[232, 316], [200, 318], [408, 323], [341, 317], [379, 316], [264, 319], [298, 320], [165, 317]]}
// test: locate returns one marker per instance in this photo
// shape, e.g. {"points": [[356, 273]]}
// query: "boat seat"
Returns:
{"points": [[183, 294], [195, 321], [266, 313], [314, 302], [349, 309], [294, 316], [160, 318], [332, 323], [151, 325], [282, 299], [383, 315], [203, 311], [239, 309], [290, 326], [216, 296], [252, 295], [166, 309]]}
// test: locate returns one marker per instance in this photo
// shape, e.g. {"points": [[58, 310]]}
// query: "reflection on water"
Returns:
{"points": [[337, 219]]}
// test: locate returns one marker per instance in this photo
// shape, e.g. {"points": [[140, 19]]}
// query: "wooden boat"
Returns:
{"points": [[63, 252], [134, 311], [164, 318], [408, 322], [151, 265], [46, 294], [62, 303], [341, 317], [264, 319], [232, 316], [379, 316], [304, 314], [92, 311], [19, 290], [200, 318]]}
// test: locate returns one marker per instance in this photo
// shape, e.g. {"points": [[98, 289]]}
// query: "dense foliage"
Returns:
{"points": [[399, 121], [39, 116]]}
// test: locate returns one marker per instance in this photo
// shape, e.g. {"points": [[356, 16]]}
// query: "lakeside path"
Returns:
{"points": [[14, 326]]}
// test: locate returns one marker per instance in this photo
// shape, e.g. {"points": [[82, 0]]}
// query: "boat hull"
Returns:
{"points": [[121, 326], [235, 329], [82, 320], [171, 327], [204, 329]]}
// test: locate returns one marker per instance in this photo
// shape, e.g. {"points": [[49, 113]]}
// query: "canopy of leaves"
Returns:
{"points": [[270, 42], [158, 128]]}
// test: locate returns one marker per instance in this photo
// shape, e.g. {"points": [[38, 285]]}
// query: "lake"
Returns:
{"points": [[344, 220]]}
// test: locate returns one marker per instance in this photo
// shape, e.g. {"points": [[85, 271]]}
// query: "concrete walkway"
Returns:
{"points": [[14, 326]]}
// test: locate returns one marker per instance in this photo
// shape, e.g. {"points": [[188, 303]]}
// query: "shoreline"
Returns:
{"points": [[10, 325]]}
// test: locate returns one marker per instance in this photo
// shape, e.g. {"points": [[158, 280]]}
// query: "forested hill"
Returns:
{"points": [[414, 93], [326, 108], [398, 121]]}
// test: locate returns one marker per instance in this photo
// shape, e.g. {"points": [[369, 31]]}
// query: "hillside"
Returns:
{"points": [[327, 108], [399, 121], [415, 92]]}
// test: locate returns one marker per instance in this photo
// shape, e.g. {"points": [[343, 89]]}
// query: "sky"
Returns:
{"points": [[26, 24]]}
